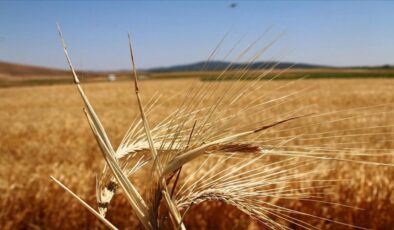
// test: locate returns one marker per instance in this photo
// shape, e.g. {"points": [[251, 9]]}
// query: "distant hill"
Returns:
{"points": [[220, 65], [13, 69], [21, 70]]}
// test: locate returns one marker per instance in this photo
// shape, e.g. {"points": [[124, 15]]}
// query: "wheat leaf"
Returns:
{"points": [[134, 198]]}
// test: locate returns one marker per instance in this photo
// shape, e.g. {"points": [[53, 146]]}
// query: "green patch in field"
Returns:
{"points": [[293, 76]]}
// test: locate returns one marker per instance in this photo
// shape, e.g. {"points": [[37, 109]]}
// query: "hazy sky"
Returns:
{"points": [[337, 33]]}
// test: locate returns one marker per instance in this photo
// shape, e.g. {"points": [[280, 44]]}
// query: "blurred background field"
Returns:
{"points": [[44, 132]]}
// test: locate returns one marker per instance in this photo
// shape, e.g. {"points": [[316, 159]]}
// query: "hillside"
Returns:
{"points": [[22, 70], [12, 69], [221, 65]]}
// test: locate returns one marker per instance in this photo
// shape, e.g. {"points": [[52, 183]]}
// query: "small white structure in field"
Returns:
{"points": [[111, 77], [143, 77]]}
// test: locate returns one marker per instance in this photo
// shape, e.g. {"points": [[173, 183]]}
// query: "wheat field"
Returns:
{"points": [[43, 132]]}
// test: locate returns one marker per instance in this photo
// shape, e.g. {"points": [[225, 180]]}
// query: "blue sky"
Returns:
{"points": [[340, 33]]}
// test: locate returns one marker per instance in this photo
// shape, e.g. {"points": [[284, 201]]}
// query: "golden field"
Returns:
{"points": [[44, 132]]}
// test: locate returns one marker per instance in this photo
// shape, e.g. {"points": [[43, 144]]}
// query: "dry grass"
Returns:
{"points": [[43, 132]]}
